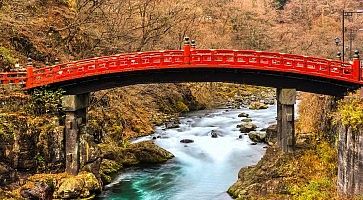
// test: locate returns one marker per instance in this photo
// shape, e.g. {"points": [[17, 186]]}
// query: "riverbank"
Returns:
{"points": [[308, 173], [311, 172]]}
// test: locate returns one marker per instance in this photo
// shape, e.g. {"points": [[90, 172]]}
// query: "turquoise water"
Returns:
{"points": [[202, 170]]}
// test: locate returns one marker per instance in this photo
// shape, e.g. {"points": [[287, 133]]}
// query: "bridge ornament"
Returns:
{"points": [[189, 57]]}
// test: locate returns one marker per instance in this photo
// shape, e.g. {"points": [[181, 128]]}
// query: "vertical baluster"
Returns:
{"points": [[29, 74], [186, 50], [356, 70]]}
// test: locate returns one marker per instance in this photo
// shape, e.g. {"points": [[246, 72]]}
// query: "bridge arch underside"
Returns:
{"points": [[306, 83]]}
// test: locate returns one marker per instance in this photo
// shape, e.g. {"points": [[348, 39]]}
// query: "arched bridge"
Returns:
{"points": [[310, 74], [286, 72]]}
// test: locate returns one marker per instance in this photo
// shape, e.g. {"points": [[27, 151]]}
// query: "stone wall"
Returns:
{"points": [[29, 144]]}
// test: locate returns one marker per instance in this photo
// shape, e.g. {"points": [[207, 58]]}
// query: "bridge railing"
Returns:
{"points": [[104, 65], [274, 61], [247, 59], [13, 78]]}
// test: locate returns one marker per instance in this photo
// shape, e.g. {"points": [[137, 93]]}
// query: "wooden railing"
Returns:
{"points": [[187, 58]]}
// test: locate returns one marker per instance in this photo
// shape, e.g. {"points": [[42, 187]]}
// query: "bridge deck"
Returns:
{"points": [[347, 75]]}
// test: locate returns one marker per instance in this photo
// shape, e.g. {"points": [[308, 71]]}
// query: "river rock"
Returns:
{"points": [[253, 143], [243, 115], [257, 106], [186, 141], [257, 136], [215, 133], [247, 127], [246, 120], [271, 134], [269, 101], [240, 136], [146, 152], [172, 124]]}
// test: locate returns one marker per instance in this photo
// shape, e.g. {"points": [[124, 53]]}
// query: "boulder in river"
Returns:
{"points": [[172, 124], [243, 115], [186, 141], [257, 106], [257, 136], [240, 136], [145, 152], [246, 120], [269, 101], [215, 133], [247, 127], [271, 134]]}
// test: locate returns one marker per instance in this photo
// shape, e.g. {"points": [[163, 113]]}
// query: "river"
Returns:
{"points": [[202, 170]]}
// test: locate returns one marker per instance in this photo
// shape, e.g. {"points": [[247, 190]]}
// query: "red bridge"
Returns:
{"points": [[286, 72], [278, 70]]}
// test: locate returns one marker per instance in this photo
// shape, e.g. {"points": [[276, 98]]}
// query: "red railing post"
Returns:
{"points": [[356, 70], [193, 45], [187, 49], [192, 51], [29, 74]]}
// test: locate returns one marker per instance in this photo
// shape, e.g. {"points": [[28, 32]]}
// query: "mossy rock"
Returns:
{"points": [[247, 127], [146, 152], [181, 107], [109, 168], [83, 185], [142, 153]]}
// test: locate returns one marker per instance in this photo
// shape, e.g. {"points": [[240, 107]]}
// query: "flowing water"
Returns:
{"points": [[202, 170]]}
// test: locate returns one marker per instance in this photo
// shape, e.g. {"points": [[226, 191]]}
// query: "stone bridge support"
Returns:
{"points": [[286, 99], [350, 161], [75, 108]]}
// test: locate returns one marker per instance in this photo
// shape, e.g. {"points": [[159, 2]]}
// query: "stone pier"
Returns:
{"points": [[75, 108], [286, 99], [350, 161]]}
